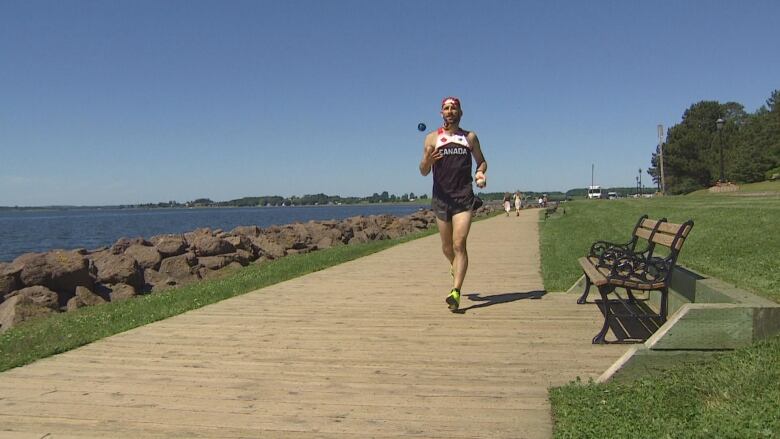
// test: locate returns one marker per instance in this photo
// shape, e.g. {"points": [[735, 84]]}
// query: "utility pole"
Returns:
{"points": [[661, 156]]}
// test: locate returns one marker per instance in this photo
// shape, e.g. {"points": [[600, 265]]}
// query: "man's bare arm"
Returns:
{"points": [[476, 151], [430, 155]]}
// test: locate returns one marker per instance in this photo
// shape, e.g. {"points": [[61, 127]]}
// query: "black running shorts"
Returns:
{"points": [[445, 209]]}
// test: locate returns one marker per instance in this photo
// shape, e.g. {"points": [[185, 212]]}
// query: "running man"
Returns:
{"points": [[448, 151]]}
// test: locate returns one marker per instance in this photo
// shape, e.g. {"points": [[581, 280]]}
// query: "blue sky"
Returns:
{"points": [[111, 102]]}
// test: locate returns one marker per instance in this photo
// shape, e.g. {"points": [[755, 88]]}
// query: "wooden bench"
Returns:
{"points": [[612, 265], [550, 209]]}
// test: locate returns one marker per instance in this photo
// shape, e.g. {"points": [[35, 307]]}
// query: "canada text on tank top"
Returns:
{"points": [[452, 172]]}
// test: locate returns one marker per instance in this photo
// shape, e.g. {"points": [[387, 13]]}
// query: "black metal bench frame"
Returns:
{"points": [[612, 265], [549, 210]]}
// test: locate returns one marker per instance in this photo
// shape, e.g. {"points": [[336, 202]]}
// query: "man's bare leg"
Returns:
{"points": [[445, 233], [461, 224]]}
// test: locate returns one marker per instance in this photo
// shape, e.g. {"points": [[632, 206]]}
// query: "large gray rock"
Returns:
{"points": [[156, 281], [58, 270], [20, 308], [190, 237], [268, 248], [323, 235], [422, 219], [292, 237], [211, 246], [248, 231], [240, 242], [39, 295], [170, 245], [358, 237], [122, 244], [84, 297], [183, 268], [9, 279], [243, 257], [400, 227], [120, 292], [146, 256], [114, 269], [215, 262]]}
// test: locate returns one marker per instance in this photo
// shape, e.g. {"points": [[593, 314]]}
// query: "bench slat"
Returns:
{"points": [[663, 239], [596, 276], [649, 223], [669, 228], [684, 235], [644, 233]]}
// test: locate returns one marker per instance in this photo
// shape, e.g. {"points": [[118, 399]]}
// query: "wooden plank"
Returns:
{"points": [[669, 228], [648, 223], [644, 233], [663, 239], [596, 276]]}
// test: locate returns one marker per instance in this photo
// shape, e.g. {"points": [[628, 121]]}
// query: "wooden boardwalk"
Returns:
{"points": [[364, 349]]}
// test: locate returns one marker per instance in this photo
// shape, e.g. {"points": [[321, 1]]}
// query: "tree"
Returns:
{"points": [[692, 150], [654, 171], [750, 142]]}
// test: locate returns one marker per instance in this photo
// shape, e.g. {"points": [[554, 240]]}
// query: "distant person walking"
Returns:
{"points": [[448, 152], [518, 202], [507, 204]]}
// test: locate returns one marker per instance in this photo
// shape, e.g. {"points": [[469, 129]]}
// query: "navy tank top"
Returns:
{"points": [[452, 173]]}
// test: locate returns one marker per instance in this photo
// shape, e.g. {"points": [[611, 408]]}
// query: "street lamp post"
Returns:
{"points": [[640, 182], [719, 123], [661, 183]]}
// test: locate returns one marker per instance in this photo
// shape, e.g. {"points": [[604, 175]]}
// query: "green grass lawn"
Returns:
{"points": [[736, 395]]}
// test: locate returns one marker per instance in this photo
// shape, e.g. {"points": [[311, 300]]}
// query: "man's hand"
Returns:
{"points": [[430, 155], [480, 179]]}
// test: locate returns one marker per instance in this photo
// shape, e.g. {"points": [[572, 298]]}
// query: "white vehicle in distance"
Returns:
{"points": [[612, 195], [594, 192]]}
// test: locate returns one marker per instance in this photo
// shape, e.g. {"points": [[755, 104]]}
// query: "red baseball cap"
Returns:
{"points": [[450, 100]]}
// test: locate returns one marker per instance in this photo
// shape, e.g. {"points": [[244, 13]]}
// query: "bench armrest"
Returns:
{"points": [[636, 267], [599, 248]]}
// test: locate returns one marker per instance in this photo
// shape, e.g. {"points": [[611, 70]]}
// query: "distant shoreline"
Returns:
{"points": [[134, 207]]}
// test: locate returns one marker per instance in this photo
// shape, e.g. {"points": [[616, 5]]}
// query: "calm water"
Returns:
{"points": [[39, 231]]}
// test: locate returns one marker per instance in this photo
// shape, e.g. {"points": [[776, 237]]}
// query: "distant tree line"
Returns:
{"points": [[750, 142], [310, 200], [265, 200]]}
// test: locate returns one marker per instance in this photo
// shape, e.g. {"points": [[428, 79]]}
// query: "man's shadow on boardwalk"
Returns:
{"points": [[496, 299]]}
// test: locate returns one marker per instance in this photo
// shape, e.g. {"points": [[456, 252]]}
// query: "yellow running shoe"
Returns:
{"points": [[453, 300]]}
